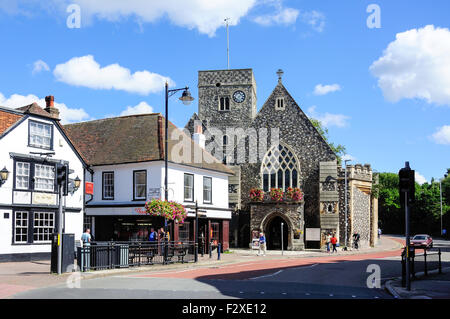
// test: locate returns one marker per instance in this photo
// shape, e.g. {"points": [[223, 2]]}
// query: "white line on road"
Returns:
{"points": [[270, 275]]}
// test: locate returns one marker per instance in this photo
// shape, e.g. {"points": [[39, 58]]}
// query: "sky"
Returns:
{"points": [[376, 73]]}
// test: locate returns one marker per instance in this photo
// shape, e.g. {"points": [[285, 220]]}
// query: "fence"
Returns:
{"points": [[111, 255], [424, 262]]}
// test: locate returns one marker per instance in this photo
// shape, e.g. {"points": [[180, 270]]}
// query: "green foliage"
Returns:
{"points": [[339, 149], [425, 213]]}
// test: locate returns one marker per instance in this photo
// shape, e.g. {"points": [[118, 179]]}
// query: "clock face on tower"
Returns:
{"points": [[239, 96]]}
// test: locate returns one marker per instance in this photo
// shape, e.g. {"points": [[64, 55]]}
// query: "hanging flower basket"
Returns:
{"points": [[294, 194], [169, 210], [276, 194], [256, 195]]}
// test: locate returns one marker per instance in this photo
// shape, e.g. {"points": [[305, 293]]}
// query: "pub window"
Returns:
{"points": [[183, 232], [189, 187], [108, 185], [140, 185], [44, 177], [215, 227], [40, 135], [207, 190], [224, 104], [21, 227], [43, 226], [22, 175]]}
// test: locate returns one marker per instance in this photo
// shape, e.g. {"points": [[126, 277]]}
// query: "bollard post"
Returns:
{"points": [[425, 260], [196, 252], [218, 251], [440, 262], [403, 271]]}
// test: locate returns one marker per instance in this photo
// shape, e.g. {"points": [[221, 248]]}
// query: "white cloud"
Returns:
{"points": [[67, 115], [141, 108], [204, 15], [328, 119], [39, 66], [419, 178], [315, 19], [325, 89], [286, 16], [85, 71], [416, 65], [442, 135]]}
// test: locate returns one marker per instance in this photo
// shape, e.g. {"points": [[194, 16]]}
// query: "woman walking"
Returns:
{"points": [[334, 243]]}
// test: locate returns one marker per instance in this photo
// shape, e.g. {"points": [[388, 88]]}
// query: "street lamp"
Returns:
{"points": [[187, 99], [440, 189], [4, 174], [346, 217]]}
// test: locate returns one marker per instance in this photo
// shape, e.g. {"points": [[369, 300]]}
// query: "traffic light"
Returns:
{"points": [[407, 184], [62, 177]]}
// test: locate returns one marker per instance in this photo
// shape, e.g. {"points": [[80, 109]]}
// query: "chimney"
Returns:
{"points": [[198, 135], [50, 106]]}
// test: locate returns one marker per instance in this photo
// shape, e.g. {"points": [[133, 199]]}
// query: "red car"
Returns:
{"points": [[422, 241]]}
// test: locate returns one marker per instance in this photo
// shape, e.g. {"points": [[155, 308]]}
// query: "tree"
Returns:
{"points": [[339, 149]]}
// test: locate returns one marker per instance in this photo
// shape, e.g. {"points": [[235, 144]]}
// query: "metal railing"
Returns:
{"points": [[424, 262], [111, 255]]}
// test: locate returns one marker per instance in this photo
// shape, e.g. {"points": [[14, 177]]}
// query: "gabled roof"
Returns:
{"points": [[281, 91], [133, 139], [35, 109], [8, 117]]}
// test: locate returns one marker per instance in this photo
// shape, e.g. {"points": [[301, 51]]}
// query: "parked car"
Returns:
{"points": [[422, 241]]}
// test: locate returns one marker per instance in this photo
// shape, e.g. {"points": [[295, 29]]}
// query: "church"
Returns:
{"points": [[278, 147]]}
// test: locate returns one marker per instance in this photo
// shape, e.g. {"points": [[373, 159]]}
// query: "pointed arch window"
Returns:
{"points": [[280, 169]]}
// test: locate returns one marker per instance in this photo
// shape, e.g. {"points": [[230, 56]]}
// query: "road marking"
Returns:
{"points": [[265, 276]]}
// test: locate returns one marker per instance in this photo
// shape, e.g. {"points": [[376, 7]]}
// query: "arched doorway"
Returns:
{"points": [[274, 235]]}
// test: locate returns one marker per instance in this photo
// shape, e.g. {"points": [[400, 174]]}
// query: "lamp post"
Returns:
{"points": [[4, 174], [440, 190], [187, 99], [346, 212]]}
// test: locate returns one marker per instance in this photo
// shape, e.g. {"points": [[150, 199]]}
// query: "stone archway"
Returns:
{"points": [[271, 226]]}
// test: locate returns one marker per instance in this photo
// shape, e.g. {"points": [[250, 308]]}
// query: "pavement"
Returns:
{"points": [[16, 278], [433, 286]]}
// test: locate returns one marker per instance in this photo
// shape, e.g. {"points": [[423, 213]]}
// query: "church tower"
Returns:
{"points": [[227, 98]]}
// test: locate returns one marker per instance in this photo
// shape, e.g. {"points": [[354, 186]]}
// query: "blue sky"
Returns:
{"points": [[385, 91]]}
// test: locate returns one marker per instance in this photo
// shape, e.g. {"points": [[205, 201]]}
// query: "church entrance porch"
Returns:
{"points": [[267, 217], [276, 235]]}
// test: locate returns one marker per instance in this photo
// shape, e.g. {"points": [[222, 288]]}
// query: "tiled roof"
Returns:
{"points": [[8, 119], [132, 139], [36, 110]]}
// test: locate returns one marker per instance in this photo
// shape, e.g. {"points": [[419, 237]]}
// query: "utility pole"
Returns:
{"points": [[228, 41]]}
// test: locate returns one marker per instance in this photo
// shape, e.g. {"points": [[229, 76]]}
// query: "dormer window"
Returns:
{"points": [[224, 103], [40, 135], [279, 104]]}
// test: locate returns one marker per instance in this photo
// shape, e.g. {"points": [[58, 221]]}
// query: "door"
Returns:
{"points": [[274, 235]]}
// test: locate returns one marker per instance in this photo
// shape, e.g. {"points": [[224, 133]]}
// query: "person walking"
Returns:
{"points": [[86, 237], [153, 235], [379, 233], [328, 242], [356, 238], [334, 241], [262, 244]]}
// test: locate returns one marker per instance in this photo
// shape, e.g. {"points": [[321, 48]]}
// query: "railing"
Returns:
{"points": [[424, 262], [111, 255]]}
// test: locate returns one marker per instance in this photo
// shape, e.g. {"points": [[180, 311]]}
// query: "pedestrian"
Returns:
{"points": [[86, 237], [356, 238], [379, 233], [262, 244], [328, 242], [153, 236], [334, 241]]}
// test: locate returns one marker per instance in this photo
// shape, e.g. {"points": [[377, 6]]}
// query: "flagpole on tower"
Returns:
{"points": [[228, 41]]}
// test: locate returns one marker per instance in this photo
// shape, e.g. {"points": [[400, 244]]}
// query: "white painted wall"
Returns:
{"points": [[123, 187], [16, 141]]}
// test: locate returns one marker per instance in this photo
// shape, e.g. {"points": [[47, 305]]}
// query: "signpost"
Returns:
{"points": [[407, 196]]}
